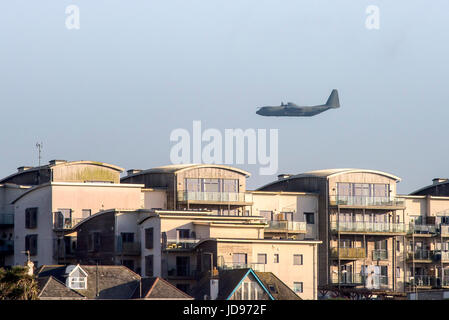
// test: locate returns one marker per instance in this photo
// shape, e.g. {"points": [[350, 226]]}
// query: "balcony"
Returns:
{"points": [[181, 272], [286, 226], [214, 197], [367, 227], [260, 267], [181, 244], [348, 253], [420, 256], [6, 247], [359, 201], [423, 281], [440, 255], [421, 229], [6, 219], [380, 254], [347, 279], [128, 248], [63, 223]]}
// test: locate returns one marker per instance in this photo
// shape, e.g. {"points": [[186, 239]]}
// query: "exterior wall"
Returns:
{"points": [[156, 251], [154, 199], [296, 203], [40, 198], [285, 270], [360, 177], [84, 172]]}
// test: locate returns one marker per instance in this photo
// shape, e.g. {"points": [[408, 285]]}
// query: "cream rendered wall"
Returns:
{"points": [[296, 203], [154, 199], [96, 197], [233, 232], [285, 270]]}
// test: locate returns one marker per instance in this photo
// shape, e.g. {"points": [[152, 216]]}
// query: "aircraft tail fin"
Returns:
{"points": [[333, 100]]}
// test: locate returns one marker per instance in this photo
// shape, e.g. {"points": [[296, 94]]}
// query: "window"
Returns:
{"points": [[298, 287], [297, 259], [31, 218], [127, 237], [78, 282], [268, 215], [262, 258], [276, 258], [182, 266], [310, 217], [149, 238], [183, 233], [86, 213], [31, 244], [239, 259], [398, 272], [288, 216], [149, 265], [398, 245]]}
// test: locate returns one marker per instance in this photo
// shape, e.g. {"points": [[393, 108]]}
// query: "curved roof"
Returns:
{"points": [[326, 173], [65, 163], [429, 187], [175, 168]]}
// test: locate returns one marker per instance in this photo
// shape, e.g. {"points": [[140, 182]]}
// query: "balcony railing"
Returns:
{"points": [[211, 196], [284, 225], [348, 279], [380, 254], [260, 267], [348, 253], [421, 229], [127, 248], [423, 281], [6, 246], [369, 227], [61, 223], [420, 255], [6, 219], [180, 244], [366, 201]]}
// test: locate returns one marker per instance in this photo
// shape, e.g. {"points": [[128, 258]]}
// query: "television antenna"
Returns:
{"points": [[39, 147]]}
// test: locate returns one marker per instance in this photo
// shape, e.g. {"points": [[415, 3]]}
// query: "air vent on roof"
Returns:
{"points": [[133, 171], [53, 162], [284, 176], [24, 168], [439, 180]]}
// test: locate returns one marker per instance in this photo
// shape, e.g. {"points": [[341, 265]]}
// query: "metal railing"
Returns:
{"points": [[260, 267], [127, 248], [366, 201], [211, 196], [61, 223], [348, 279], [348, 253], [180, 244], [423, 281], [421, 229], [6, 246], [285, 225], [368, 227], [7, 219], [380, 254], [420, 255]]}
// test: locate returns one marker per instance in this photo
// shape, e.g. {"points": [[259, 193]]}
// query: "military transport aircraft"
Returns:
{"points": [[292, 110]]}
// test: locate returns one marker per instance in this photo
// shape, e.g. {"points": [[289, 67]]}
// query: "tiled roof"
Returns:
{"points": [[278, 289], [50, 288], [158, 288]]}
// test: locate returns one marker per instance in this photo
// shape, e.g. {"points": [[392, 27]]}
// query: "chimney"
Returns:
{"points": [[133, 171], [30, 266], [213, 289], [54, 162], [23, 168], [284, 176], [439, 180]]}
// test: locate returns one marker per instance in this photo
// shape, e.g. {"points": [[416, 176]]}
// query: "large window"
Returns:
{"points": [[262, 258], [310, 217], [149, 265], [31, 218], [298, 287], [212, 185], [31, 244], [345, 189], [239, 258], [149, 238]]}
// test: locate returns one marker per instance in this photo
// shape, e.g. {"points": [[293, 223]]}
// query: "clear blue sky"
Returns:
{"points": [[115, 89]]}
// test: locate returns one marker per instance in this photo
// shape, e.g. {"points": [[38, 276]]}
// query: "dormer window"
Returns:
{"points": [[76, 277]]}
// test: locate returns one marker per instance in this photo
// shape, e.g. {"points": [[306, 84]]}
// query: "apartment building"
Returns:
{"points": [[361, 224], [189, 248], [47, 201]]}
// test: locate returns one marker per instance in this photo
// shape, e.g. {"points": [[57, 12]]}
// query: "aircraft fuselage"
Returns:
{"points": [[291, 111]]}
